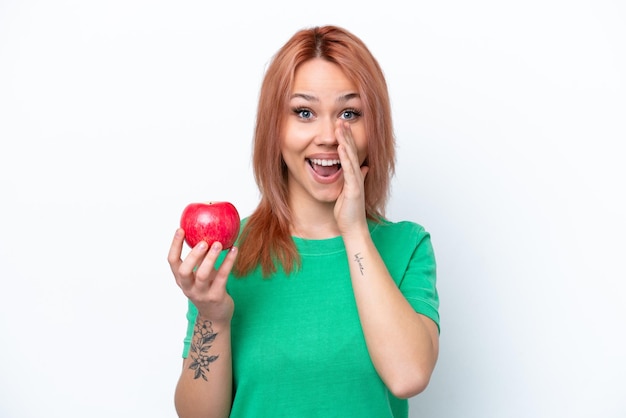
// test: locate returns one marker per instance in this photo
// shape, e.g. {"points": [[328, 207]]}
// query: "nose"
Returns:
{"points": [[326, 135]]}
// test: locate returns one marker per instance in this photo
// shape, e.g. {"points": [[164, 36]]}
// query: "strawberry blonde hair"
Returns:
{"points": [[266, 238]]}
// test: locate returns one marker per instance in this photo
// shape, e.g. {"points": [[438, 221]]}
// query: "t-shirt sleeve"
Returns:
{"points": [[192, 313], [419, 283]]}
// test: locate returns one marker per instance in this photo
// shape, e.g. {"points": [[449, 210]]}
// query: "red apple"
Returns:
{"points": [[210, 222]]}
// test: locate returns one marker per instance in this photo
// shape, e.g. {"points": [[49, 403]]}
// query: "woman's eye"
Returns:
{"points": [[350, 114], [303, 113]]}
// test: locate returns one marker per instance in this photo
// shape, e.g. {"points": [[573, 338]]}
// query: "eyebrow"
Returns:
{"points": [[341, 99]]}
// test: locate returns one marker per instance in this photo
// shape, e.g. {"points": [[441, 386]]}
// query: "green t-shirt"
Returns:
{"points": [[297, 343]]}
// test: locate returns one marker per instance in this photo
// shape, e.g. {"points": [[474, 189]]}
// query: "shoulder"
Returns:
{"points": [[244, 221], [401, 240], [385, 229]]}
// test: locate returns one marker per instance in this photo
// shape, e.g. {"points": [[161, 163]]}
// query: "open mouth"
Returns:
{"points": [[325, 168]]}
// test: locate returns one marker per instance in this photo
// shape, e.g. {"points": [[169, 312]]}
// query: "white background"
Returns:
{"points": [[510, 118]]}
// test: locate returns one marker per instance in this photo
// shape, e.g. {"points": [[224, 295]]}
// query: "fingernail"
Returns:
{"points": [[202, 245], [216, 247]]}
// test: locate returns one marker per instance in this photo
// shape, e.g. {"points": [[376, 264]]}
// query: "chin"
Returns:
{"points": [[328, 197]]}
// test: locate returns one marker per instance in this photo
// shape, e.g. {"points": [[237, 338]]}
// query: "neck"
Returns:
{"points": [[313, 221]]}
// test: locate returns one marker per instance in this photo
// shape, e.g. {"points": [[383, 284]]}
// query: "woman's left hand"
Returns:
{"points": [[350, 205]]}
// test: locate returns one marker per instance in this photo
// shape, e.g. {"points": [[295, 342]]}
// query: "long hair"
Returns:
{"points": [[266, 238]]}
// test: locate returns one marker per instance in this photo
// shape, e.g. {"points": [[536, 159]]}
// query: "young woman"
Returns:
{"points": [[324, 308]]}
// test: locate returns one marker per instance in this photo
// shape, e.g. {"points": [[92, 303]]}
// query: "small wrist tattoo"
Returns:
{"points": [[203, 338], [359, 259]]}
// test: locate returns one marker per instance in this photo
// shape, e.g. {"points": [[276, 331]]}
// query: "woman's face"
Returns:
{"points": [[322, 98]]}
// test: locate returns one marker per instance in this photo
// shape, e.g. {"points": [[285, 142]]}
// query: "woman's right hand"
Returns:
{"points": [[200, 281]]}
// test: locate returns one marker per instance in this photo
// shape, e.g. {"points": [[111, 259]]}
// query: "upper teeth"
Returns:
{"points": [[324, 162]]}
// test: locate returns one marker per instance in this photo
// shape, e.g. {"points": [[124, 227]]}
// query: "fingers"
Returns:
{"points": [[354, 174], [345, 139], [221, 277], [173, 257], [364, 170], [348, 153], [206, 267], [208, 277], [187, 267], [350, 206], [197, 275], [349, 164]]}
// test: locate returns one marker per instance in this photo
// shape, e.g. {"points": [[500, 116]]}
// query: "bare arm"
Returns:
{"points": [[204, 388], [403, 344]]}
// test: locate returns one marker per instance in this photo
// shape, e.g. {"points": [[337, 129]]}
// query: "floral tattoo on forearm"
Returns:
{"points": [[359, 262], [203, 338]]}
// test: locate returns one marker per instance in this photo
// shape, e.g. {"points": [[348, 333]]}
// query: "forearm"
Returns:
{"points": [[402, 344], [205, 385]]}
